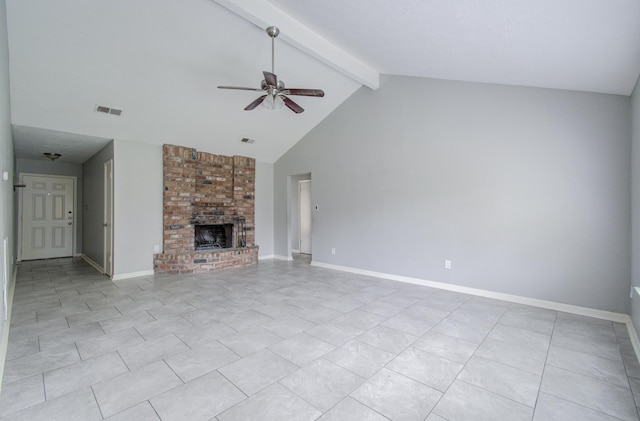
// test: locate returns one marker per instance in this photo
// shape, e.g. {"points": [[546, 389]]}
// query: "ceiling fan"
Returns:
{"points": [[275, 93]]}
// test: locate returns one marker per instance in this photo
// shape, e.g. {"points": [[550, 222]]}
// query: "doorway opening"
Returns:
{"points": [[299, 218], [304, 216]]}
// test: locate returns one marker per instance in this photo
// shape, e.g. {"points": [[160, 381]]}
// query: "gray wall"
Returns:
{"points": [[6, 161], [137, 206], [526, 190], [635, 207], [93, 204], [47, 167], [264, 208]]}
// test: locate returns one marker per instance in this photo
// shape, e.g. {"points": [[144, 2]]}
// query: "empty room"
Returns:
{"points": [[338, 210]]}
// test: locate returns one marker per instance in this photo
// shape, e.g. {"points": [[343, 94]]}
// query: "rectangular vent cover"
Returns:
{"points": [[107, 110]]}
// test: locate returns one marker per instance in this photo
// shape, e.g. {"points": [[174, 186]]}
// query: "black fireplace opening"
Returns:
{"points": [[208, 237]]}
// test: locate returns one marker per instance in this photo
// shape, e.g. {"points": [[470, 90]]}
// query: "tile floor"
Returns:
{"points": [[288, 341]]}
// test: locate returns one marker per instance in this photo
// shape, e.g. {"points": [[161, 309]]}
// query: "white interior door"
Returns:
{"points": [[304, 195], [108, 218], [47, 217]]}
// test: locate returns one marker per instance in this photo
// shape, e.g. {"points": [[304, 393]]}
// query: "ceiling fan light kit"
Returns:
{"points": [[274, 91], [272, 102]]}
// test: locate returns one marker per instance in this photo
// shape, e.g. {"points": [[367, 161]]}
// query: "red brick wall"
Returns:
{"points": [[204, 188]]}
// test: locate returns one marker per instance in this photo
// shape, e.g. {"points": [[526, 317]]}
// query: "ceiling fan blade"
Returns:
{"points": [[255, 103], [271, 79], [292, 105], [240, 88], [304, 92]]}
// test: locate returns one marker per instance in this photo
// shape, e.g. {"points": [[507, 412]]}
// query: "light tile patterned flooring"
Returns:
{"points": [[287, 341]]}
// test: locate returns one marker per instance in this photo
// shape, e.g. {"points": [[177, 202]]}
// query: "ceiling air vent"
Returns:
{"points": [[247, 140], [107, 110]]}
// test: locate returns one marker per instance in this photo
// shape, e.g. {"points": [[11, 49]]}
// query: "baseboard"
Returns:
{"points": [[130, 275], [4, 341], [278, 257], [92, 263], [295, 251], [266, 257], [551, 305]]}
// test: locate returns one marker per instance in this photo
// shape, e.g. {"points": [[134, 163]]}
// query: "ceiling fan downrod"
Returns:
{"points": [[273, 32]]}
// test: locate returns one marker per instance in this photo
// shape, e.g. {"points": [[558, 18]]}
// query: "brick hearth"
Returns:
{"points": [[204, 189]]}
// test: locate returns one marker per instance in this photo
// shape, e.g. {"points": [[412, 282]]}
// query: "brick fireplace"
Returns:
{"points": [[208, 218]]}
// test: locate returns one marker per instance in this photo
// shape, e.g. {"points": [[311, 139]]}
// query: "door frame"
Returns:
{"points": [[74, 179], [107, 233]]}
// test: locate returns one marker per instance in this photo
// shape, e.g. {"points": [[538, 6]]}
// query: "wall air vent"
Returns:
{"points": [[107, 110], [247, 140]]}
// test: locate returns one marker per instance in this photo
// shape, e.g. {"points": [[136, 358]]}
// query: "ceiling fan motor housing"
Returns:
{"points": [[265, 86]]}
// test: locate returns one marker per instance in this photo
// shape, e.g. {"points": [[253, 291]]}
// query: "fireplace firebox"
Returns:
{"points": [[209, 237]]}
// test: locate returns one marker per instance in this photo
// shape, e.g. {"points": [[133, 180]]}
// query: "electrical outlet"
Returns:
{"points": [[156, 249], [333, 251], [447, 264]]}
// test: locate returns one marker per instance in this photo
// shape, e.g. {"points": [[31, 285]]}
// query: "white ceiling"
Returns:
{"points": [[161, 60], [74, 148], [584, 45]]}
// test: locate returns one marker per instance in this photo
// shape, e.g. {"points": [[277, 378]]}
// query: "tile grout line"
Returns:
{"points": [[544, 367]]}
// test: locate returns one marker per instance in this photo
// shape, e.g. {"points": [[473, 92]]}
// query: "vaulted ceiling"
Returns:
{"points": [[160, 61]]}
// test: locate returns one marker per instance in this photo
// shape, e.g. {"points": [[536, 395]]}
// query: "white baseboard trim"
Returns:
{"points": [[278, 257], [4, 341], [295, 251], [92, 263], [130, 275], [266, 257], [551, 305]]}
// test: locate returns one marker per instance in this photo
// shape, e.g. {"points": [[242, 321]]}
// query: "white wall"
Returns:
{"points": [[137, 206], [93, 204], [526, 190], [264, 208], [46, 166]]}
